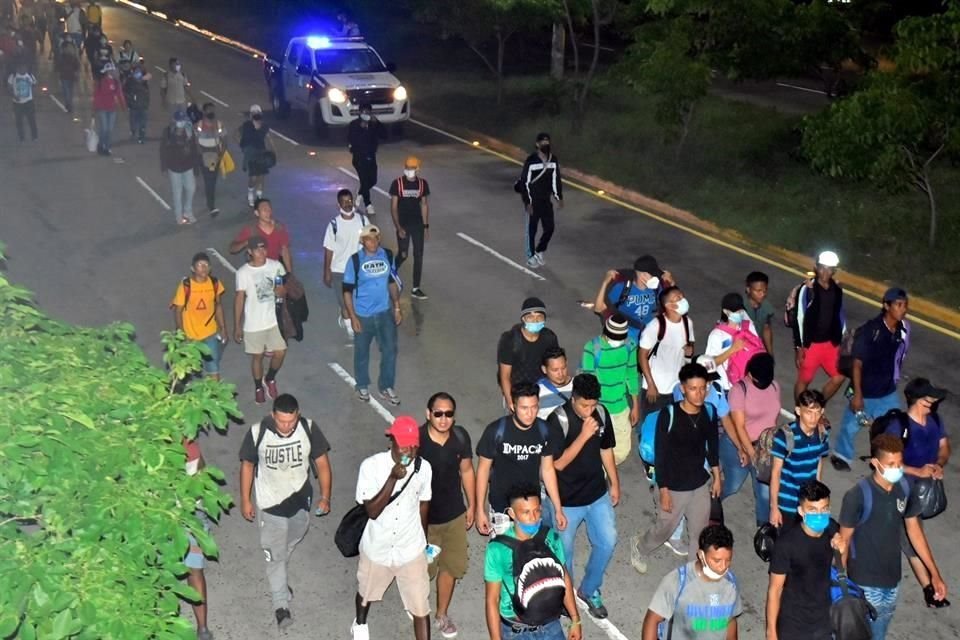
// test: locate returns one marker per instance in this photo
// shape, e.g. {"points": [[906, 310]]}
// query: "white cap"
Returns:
{"points": [[255, 108], [828, 259]]}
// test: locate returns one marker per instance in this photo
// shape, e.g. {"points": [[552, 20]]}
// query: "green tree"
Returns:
{"points": [[94, 502], [482, 23], [597, 14]]}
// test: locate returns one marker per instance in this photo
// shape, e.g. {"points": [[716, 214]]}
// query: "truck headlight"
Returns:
{"points": [[400, 93], [336, 96]]}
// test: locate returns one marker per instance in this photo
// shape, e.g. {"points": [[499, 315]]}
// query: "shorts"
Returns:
{"points": [[257, 342], [413, 582], [820, 355], [195, 559], [451, 537], [211, 363]]}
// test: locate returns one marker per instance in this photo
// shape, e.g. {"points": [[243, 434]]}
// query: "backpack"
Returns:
{"points": [[665, 627], [420, 183], [882, 424], [867, 494], [186, 283], [564, 419], [763, 456], [502, 429], [393, 271], [333, 223], [648, 430], [624, 277], [258, 433], [538, 586], [845, 359], [850, 612], [662, 331], [736, 365], [596, 346]]}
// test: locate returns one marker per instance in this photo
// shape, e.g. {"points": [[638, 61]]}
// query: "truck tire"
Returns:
{"points": [[281, 108]]}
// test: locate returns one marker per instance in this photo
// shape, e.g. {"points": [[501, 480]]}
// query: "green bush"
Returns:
{"points": [[94, 502]]}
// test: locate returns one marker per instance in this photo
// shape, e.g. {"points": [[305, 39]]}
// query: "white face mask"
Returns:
{"points": [[410, 173], [615, 343], [365, 117], [653, 282], [347, 212], [707, 571], [683, 307]]}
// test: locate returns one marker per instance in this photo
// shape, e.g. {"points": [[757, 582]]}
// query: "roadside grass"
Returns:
{"points": [[738, 169]]}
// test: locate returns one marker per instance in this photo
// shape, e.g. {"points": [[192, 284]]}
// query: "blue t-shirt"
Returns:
{"points": [[923, 442], [639, 307], [800, 466], [715, 396], [371, 290]]}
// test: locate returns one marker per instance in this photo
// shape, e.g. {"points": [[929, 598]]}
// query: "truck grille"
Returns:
{"points": [[370, 96]]}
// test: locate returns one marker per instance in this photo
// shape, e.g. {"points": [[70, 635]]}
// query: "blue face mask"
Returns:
{"points": [[534, 327], [892, 474], [817, 522], [736, 317], [405, 460], [529, 529]]}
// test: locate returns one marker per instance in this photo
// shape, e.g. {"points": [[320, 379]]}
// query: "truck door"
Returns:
{"points": [[292, 85]]}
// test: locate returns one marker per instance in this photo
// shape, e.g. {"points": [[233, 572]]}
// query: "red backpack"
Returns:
{"points": [[736, 365]]}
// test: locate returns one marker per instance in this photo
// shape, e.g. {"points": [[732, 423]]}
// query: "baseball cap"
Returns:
{"points": [[255, 242], [616, 326], [405, 431], [543, 135], [412, 162], [894, 293], [828, 259], [533, 305], [370, 230], [923, 388], [255, 108], [647, 264]]}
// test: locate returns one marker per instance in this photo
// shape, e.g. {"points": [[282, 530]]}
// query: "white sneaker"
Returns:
{"points": [[358, 202], [539, 256], [637, 559], [532, 262], [390, 396], [359, 631], [370, 210], [250, 198]]}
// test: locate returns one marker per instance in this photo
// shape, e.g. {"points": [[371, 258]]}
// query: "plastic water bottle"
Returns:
{"points": [[278, 282], [863, 419]]}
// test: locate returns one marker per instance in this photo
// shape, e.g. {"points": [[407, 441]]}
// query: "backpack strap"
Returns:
{"points": [[499, 433], [867, 494], [215, 283], [661, 332], [333, 226], [681, 584], [563, 418], [258, 432], [686, 328]]}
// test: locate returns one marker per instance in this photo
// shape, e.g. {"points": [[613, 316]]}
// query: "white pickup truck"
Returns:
{"points": [[330, 78]]}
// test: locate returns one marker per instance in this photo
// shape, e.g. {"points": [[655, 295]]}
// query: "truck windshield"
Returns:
{"points": [[347, 61]]}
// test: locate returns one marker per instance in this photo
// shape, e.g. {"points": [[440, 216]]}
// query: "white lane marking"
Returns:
{"points": [[156, 196], [346, 377], [500, 256], [216, 254], [799, 88], [605, 625], [444, 133], [159, 68], [57, 102], [354, 176], [216, 99], [283, 137]]}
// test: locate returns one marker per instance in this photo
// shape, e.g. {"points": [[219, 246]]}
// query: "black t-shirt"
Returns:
{"points": [[516, 457], [447, 502], [874, 556], [805, 561], [581, 482], [829, 301], [878, 348], [409, 194], [682, 448], [524, 356]]}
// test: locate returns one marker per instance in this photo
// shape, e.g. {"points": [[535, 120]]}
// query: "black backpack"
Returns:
{"points": [[893, 416], [538, 585], [850, 613]]}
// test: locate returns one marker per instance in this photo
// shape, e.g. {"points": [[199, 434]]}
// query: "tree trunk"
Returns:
{"points": [[501, 46], [927, 188], [573, 39], [687, 118], [557, 51], [584, 89]]}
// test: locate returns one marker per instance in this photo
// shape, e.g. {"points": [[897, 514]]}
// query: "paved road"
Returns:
{"points": [[96, 247]]}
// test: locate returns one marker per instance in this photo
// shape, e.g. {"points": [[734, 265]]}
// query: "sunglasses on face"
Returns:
{"points": [[443, 414]]}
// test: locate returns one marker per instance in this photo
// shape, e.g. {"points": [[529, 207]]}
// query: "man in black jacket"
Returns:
{"points": [[364, 136], [540, 185]]}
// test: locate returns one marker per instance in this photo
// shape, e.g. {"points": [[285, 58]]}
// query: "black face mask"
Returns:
{"points": [[209, 115], [257, 117], [545, 149]]}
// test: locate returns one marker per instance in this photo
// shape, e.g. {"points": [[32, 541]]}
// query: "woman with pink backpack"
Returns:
{"points": [[733, 341]]}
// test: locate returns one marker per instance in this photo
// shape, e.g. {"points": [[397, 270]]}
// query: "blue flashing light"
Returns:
{"points": [[318, 42]]}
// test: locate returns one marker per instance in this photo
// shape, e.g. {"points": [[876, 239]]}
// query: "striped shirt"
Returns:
{"points": [[800, 466], [615, 368], [552, 396]]}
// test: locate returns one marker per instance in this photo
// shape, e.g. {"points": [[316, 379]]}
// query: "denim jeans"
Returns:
{"points": [[734, 476], [382, 327], [138, 122], [873, 407], [602, 534], [885, 602], [184, 185], [550, 631], [105, 123], [66, 86]]}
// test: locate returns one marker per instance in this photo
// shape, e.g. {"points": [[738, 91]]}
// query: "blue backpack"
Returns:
{"points": [[665, 627], [648, 431]]}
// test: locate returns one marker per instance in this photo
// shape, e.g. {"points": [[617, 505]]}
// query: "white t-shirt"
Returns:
{"points": [[259, 309], [665, 365], [346, 241], [717, 342], [396, 536]]}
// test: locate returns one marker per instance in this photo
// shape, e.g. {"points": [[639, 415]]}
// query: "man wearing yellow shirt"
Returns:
{"points": [[198, 312]]}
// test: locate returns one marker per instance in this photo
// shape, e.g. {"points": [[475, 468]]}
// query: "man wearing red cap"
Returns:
{"points": [[394, 486]]}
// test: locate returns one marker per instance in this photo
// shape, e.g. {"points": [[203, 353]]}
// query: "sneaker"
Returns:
{"points": [[359, 631], [594, 604], [363, 394], [204, 634], [637, 559], [539, 256], [260, 395], [370, 210], [677, 547], [839, 464], [445, 626], [284, 619], [271, 388], [214, 212], [418, 293], [250, 198], [390, 396], [359, 202], [532, 262]]}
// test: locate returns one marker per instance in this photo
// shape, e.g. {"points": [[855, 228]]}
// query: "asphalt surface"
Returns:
{"points": [[85, 235]]}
